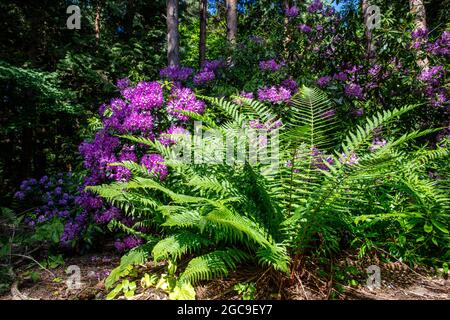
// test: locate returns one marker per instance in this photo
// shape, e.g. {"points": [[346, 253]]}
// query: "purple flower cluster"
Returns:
{"points": [[432, 77], [292, 12], [323, 81], [268, 126], [204, 76], [358, 112], [441, 46], [127, 243], [274, 94], [374, 70], [248, 95], [155, 165], [123, 84], [290, 84], [265, 128], [354, 90], [144, 96], [107, 215], [340, 76], [270, 65], [213, 65], [184, 99], [304, 28], [208, 72], [170, 136], [175, 73], [431, 74], [315, 6], [50, 198], [139, 111], [73, 228], [419, 34], [243, 94]]}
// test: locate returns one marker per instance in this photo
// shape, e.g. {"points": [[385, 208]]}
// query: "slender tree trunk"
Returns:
{"points": [[417, 7], [173, 35], [232, 22], [369, 36], [97, 22], [203, 21]]}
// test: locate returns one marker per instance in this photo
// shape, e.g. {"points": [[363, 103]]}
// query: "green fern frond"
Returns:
{"points": [[212, 265], [177, 245]]}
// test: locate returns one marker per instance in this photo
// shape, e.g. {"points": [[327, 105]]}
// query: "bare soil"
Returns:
{"points": [[399, 282]]}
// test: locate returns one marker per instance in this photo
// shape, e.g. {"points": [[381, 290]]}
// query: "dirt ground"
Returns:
{"points": [[399, 282]]}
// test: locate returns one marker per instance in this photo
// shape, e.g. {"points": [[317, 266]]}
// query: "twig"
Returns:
{"points": [[34, 260], [301, 284]]}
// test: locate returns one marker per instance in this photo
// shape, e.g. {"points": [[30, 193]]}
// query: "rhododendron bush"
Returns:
{"points": [[148, 109]]}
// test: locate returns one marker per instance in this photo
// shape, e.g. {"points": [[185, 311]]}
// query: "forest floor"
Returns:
{"points": [[399, 282]]}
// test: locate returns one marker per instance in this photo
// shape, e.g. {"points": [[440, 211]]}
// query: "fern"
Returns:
{"points": [[212, 265], [225, 213]]}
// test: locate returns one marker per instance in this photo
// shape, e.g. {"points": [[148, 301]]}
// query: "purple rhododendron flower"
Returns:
{"points": [[430, 73], [145, 95], [184, 99], [123, 84], [204, 76], [323, 81], [419, 33], [292, 12], [290, 84], [375, 70], [354, 90], [155, 164], [127, 243], [136, 121], [213, 65], [112, 213], [304, 28], [270, 65], [315, 6], [341, 76], [274, 94], [166, 138]]}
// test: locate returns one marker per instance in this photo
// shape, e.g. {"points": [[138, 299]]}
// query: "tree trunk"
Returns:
{"points": [[97, 22], [173, 35], [369, 45], [232, 22], [203, 21], [417, 8]]}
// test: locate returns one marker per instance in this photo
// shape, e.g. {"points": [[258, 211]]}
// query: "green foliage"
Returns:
{"points": [[221, 215], [246, 290]]}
